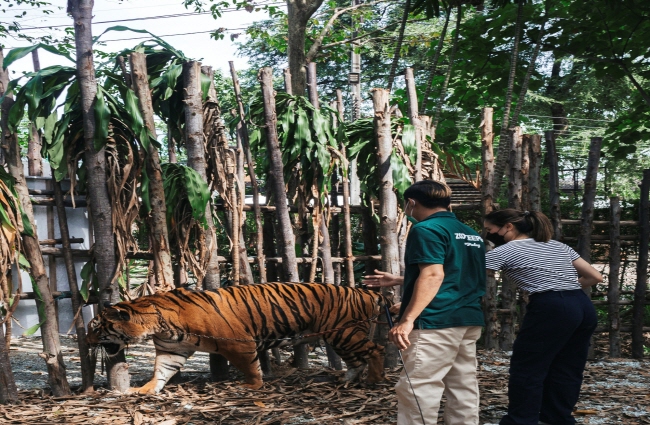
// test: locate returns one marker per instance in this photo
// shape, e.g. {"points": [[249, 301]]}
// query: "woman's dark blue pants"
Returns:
{"points": [[549, 357]]}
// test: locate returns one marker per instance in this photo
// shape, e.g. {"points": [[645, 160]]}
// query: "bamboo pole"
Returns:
{"points": [[613, 279], [534, 180], [242, 130], [287, 80], [553, 185], [414, 117], [387, 202], [641, 268], [487, 206]]}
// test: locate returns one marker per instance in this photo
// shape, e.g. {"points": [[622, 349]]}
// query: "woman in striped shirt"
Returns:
{"points": [[550, 351]]}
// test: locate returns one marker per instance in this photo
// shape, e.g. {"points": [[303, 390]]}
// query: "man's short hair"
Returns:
{"points": [[429, 193]]}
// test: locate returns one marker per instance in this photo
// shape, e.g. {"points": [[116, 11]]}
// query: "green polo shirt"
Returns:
{"points": [[442, 239]]}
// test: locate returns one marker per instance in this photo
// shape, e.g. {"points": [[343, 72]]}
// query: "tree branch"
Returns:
{"points": [[313, 50], [368, 34]]}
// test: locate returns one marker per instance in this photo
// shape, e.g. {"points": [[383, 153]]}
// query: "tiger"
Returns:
{"points": [[240, 321]]}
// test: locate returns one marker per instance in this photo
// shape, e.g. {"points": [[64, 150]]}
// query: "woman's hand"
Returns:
{"points": [[382, 279]]}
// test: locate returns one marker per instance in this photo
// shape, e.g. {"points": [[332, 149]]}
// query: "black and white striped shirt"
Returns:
{"points": [[536, 266]]}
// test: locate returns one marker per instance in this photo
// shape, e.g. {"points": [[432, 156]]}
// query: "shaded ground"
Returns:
{"points": [[615, 391]]}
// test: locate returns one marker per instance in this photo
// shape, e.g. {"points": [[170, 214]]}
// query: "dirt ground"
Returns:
{"points": [[615, 391]]}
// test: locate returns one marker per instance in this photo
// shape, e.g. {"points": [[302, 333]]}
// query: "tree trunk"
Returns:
{"points": [[525, 171], [97, 194], [160, 239], [171, 146], [503, 152], [588, 199], [277, 190], [196, 160], [487, 206], [613, 311], [46, 305], [638, 310], [531, 67], [443, 90], [276, 177], [434, 64], [195, 149], [387, 205], [298, 14], [414, 117], [553, 185], [534, 179], [86, 357], [35, 162], [242, 131], [398, 46], [8, 389], [515, 181]]}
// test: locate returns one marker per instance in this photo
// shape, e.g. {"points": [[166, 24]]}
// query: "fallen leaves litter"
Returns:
{"points": [[615, 391]]}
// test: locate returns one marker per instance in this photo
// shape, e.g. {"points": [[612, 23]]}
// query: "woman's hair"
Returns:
{"points": [[532, 223], [429, 193]]}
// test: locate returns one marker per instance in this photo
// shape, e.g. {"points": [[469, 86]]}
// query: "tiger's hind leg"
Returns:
{"points": [[357, 350], [246, 360]]}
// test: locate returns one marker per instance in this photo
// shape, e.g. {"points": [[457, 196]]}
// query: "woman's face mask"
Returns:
{"points": [[496, 238]]}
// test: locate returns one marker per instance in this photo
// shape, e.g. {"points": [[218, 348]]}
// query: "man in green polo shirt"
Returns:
{"points": [[440, 316]]}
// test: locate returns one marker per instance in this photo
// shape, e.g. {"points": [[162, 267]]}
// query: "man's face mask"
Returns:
{"points": [[496, 238], [409, 217]]}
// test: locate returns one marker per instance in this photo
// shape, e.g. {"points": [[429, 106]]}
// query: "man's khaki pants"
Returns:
{"points": [[440, 361]]}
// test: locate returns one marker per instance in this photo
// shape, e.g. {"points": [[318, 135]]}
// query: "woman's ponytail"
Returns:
{"points": [[542, 229]]}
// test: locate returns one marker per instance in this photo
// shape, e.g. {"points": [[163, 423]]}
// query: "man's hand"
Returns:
{"points": [[395, 308], [399, 335], [382, 279]]}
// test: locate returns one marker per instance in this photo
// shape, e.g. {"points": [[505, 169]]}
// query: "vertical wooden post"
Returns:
{"points": [[525, 171], [335, 220], [347, 224], [588, 199], [641, 268], [242, 131], [534, 180], [514, 184], [553, 185], [491, 338], [387, 200], [613, 279], [415, 120]]}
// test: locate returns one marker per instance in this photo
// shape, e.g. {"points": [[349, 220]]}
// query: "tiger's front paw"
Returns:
{"points": [[145, 389]]}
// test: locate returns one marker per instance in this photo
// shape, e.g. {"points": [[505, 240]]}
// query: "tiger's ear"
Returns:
{"points": [[116, 315]]}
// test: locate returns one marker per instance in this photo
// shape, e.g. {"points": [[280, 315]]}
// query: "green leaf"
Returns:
{"points": [[20, 52], [102, 118]]}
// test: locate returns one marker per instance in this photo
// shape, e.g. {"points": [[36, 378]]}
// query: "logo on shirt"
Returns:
{"points": [[470, 239]]}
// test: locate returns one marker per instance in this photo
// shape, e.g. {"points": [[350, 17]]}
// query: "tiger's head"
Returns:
{"points": [[119, 325]]}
